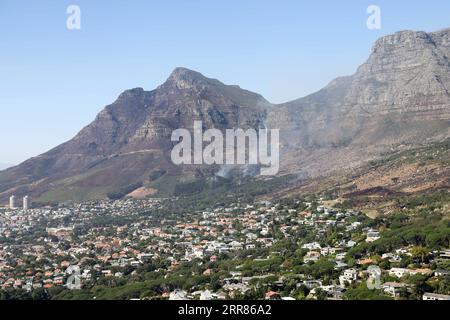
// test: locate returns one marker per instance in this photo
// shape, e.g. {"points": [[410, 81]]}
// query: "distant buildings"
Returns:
{"points": [[372, 236], [12, 202], [26, 203], [60, 233]]}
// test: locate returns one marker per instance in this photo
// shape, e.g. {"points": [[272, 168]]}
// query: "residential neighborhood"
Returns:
{"points": [[264, 250]]}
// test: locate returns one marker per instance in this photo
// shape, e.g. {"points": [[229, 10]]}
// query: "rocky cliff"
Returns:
{"points": [[398, 99]]}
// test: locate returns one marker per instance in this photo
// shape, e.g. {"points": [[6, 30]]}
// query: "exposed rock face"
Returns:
{"points": [[130, 138], [398, 98]]}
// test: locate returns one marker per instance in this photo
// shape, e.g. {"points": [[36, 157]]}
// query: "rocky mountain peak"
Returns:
{"points": [[183, 78], [408, 56], [184, 84], [131, 93], [402, 39]]}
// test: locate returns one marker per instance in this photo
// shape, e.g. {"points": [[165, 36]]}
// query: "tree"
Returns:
{"points": [[420, 253], [419, 285], [320, 294], [40, 294], [363, 293]]}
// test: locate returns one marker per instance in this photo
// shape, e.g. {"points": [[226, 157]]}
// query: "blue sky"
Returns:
{"points": [[54, 81]]}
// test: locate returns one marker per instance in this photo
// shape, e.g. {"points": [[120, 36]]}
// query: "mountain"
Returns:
{"points": [[128, 144], [397, 100], [5, 166]]}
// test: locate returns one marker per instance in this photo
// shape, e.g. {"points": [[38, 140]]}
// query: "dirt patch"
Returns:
{"points": [[142, 193]]}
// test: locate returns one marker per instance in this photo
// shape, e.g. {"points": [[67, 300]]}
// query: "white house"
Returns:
{"points": [[398, 272], [178, 295], [312, 246], [348, 276], [435, 296], [372, 236], [393, 288]]}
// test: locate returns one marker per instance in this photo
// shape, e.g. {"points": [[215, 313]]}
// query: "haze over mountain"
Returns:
{"points": [[398, 99], [4, 166]]}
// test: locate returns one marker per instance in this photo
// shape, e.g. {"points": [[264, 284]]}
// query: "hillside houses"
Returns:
{"points": [[277, 250]]}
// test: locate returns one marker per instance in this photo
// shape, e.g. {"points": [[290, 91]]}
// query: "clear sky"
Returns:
{"points": [[54, 81]]}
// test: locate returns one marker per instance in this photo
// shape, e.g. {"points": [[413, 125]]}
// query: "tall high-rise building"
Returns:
{"points": [[12, 202], [26, 203]]}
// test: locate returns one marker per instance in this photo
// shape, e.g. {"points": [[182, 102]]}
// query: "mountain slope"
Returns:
{"points": [[397, 100], [130, 139]]}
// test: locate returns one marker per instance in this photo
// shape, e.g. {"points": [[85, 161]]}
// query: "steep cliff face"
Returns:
{"points": [[399, 97], [396, 100], [141, 119]]}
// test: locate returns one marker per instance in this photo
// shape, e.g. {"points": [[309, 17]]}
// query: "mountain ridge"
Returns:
{"points": [[397, 99]]}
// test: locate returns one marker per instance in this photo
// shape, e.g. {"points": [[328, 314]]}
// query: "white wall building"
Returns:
{"points": [[12, 202], [349, 276], [26, 203], [435, 296]]}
